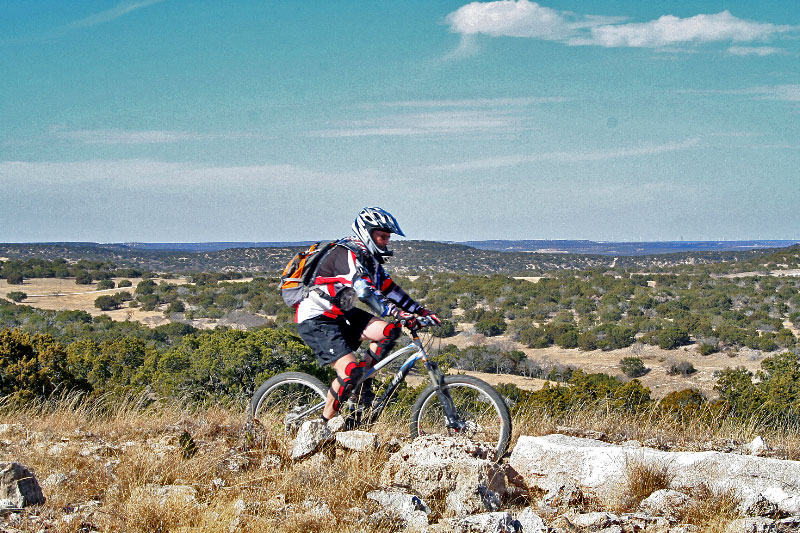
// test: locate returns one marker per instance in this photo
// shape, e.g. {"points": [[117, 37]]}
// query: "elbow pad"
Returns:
{"points": [[370, 296]]}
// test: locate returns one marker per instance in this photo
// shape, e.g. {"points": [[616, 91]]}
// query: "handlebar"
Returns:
{"points": [[416, 323]]}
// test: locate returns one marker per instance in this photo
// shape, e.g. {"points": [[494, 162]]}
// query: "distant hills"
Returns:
{"points": [[538, 246], [527, 257], [625, 248]]}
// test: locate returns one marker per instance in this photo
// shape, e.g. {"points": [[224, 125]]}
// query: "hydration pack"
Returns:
{"points": [[298, 276]]}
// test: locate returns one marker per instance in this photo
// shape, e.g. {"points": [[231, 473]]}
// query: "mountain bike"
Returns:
{"points": [[449, 405]]}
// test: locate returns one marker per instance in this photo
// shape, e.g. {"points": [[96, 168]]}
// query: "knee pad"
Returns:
{"points": [[352, 373], [391, 333]]}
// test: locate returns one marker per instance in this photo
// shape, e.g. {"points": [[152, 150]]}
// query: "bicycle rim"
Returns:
{"points": [[279, 404], [486, 418]]}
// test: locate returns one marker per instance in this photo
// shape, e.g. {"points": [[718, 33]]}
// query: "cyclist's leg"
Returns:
{"points": [[383, 335], [348, 371]]}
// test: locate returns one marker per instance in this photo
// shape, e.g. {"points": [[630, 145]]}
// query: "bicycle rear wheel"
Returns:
{"points": [[479, 406], [283, 402]]}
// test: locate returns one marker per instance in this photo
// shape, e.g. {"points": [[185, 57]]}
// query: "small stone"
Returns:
{"points": [[752, 525], [239, 506], [312, 434], [54, 480], [594, 521], [665, 502], [271, 462], [399, 502], [758, 447], [530, 522], [497, 522], [359, 441], [761, 506]]}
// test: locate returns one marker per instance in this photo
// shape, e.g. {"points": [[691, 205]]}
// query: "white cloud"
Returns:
{"points": [[431, 123], [520, 19], [116, 136], [111, 14], [523, 18], [760, 51], [569, 157]]}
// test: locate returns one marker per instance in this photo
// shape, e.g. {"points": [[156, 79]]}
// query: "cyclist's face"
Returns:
{"points": [[381, 238]]}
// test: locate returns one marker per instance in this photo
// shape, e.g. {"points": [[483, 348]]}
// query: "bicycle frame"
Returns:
{"points": [[417, 352]]}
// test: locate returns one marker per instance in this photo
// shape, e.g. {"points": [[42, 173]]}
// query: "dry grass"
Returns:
{"points": [[110, 454], [642, 481]]}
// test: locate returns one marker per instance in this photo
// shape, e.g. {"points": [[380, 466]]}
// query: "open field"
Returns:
{"points": [[656, 359], [65, 295]]}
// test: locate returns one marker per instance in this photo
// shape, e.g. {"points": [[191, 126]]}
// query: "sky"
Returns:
{"points": [[623, 120]]}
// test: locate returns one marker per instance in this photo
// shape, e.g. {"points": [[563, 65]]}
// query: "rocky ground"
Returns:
{"points": [[71, 468]]}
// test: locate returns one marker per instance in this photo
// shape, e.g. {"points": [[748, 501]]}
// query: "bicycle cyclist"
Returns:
{"points": [[330, 324]]}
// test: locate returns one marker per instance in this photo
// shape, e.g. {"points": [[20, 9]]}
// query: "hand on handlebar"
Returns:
{"points": [[427, 313]]}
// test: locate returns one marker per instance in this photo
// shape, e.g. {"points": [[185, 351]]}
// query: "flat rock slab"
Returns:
{"points": [[601, 469]]}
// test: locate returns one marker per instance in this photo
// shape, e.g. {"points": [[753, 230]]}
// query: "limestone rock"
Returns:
{"points": [[498, 522], [359, 441], [752, 525], [758, 447], [399, 502], [314, 433], [600, 469], [667, 503], [529, 522], [19, 485], [455, 468]]}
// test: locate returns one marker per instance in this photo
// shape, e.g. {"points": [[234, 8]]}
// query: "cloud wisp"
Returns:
{"points": [[781, 93], [128, 137], [457, 121], [567, 157], [522, 18], [110, 14]]}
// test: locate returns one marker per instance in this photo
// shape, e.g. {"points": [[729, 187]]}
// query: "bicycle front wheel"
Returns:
{"points": [[481, 410], [285, 401]]}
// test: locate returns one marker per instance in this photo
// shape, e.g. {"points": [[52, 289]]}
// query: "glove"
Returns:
{"points": [[430, 314], [405, 317]]}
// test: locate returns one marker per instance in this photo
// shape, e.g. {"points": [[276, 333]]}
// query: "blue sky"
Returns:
{"points": [[271, 121]]}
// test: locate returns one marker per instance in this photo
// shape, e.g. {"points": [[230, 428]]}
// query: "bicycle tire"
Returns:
{"points": [[476, 401], [280, 395]]}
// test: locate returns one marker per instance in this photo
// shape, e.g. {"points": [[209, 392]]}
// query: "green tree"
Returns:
{"points": [[16, 296], [633, 367], [106, 303], [15, 278], [31, 366], [83, 278], [105, 284]]}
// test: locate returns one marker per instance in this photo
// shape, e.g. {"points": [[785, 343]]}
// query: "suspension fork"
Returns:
{"points": [[437, 380]]}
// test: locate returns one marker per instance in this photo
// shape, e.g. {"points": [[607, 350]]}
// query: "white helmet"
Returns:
{"points": [[370, 219]]}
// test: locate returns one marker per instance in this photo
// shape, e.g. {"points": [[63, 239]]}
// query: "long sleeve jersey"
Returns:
{"points": [[346, 262]]}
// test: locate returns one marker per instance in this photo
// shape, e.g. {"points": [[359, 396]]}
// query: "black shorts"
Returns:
{"points": [[333, 338]]}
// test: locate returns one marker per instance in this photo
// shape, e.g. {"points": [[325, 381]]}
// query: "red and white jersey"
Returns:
{"points": [[341, 266]]}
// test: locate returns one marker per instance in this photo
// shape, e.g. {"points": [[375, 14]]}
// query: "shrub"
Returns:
{"points": [[33, 366], [176, 306], [447, 329], [146, 286], [83, 278], [684, 404], [15, 278], [16, 296], [125, 283], [106, 303], [684, 368], [633, 367], [672, 337], [105, 284], [707, 349]]}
